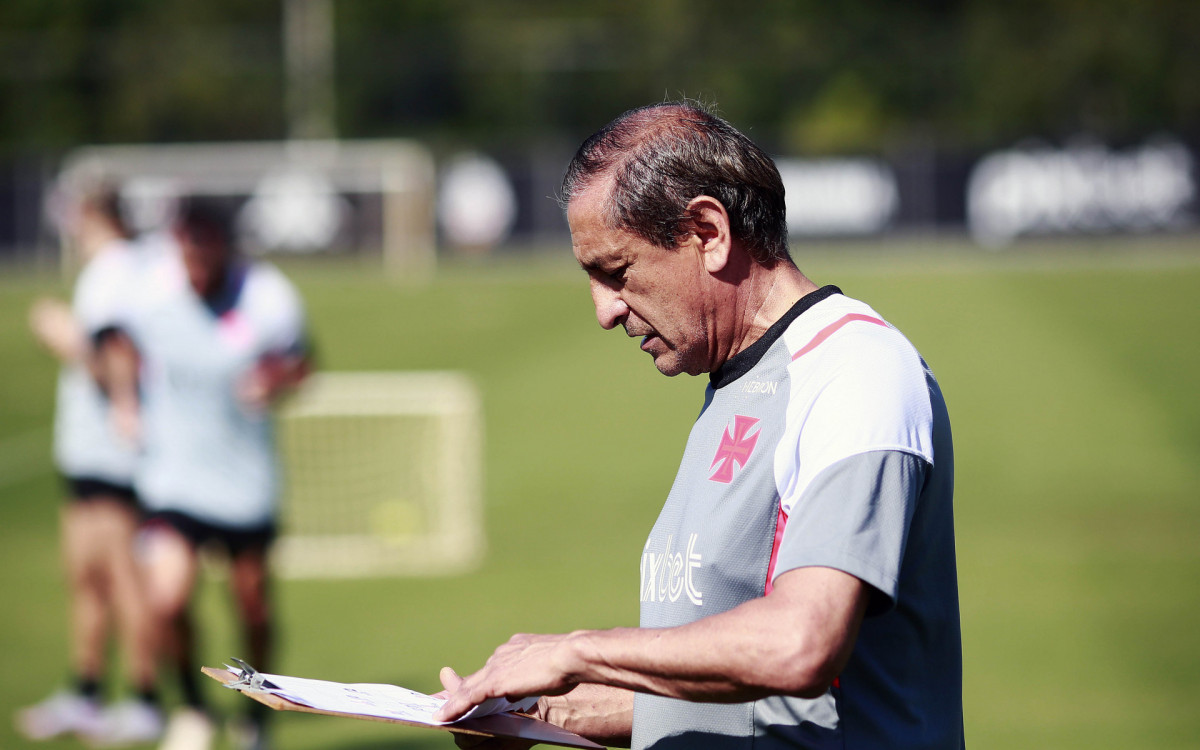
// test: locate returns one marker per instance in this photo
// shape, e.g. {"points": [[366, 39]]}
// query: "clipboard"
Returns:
{"points": [[515, 725]]}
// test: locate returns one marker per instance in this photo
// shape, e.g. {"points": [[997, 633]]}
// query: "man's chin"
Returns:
{"points": [[668, 364], [668, 360]]}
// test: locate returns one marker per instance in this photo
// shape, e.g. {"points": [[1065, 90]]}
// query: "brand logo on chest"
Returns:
{"points": [[735, 448], [669, 574]]}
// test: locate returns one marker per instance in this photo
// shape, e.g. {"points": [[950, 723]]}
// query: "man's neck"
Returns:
{"points": [[770, 292]]}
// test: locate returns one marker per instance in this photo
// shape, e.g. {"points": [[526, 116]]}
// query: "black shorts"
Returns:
{"points": [[85, 489], [233, 540]]}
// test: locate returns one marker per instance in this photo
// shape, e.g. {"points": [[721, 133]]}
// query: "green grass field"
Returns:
{"points": [[1071, 374]]}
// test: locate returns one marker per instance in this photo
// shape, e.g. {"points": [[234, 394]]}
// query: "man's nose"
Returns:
{"points": [[610, 308]]}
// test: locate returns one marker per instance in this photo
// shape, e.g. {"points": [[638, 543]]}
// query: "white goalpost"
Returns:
{"points": [[382, 476], [298, 197]]}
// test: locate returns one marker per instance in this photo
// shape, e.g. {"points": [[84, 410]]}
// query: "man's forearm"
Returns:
{"points": [[794, 642], [601, 713]]}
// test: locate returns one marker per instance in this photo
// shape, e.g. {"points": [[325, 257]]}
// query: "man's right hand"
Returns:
{"points": [[601, 713], [451, 681]]}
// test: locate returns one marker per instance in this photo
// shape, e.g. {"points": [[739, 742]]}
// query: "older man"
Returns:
{"points": [[799, 586]]}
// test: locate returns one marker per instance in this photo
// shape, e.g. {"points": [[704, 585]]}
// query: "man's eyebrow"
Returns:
{"points": [[592, 264]]}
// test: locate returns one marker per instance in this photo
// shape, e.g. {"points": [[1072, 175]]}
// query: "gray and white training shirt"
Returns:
{"points": [[825, 443]]}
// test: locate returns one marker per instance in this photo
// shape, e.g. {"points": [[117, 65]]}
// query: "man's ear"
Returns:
{"points": [[710, 227]]}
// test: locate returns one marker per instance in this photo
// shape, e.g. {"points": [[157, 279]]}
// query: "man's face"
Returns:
{"points": [[657, 294]]}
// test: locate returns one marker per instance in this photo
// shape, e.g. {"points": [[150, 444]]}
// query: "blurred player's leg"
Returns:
{"points": [[76, 709], [136, 718], [171, 564], [249, 581], [129, 595], [83, 556]]}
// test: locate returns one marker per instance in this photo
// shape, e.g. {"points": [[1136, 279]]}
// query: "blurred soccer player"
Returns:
{"points": [[220, 339], [101, 516]]}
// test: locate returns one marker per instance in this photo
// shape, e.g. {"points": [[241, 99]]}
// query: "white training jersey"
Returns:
{"points": [[205, 453], [85, 444]]}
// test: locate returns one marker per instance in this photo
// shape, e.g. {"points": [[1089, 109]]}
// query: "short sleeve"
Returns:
{"points": [[278, 313], [863, 390], [855, 517]]}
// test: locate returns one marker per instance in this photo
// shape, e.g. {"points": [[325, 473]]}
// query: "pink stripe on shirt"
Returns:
{"points": [[832, 328]]}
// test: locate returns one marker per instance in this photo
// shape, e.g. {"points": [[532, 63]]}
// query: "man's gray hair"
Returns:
{"points": [[662, 156]]}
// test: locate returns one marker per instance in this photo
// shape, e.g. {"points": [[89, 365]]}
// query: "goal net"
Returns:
{"points": [[382, 476], [299, 197]]}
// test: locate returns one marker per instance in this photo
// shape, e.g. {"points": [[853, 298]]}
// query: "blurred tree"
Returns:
{"points": [[1114, 68], [137, 70], [845, 116], [856, 75]]}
